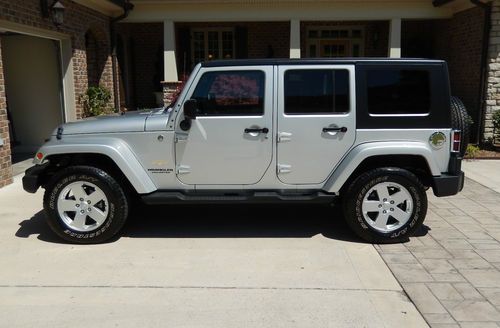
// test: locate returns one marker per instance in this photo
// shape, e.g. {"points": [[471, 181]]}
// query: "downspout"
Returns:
{"points": [[487, 7], [127, 7]]}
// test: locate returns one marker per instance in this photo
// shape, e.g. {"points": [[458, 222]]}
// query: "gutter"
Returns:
{"points": [[127, 7], [439, 3], [487, 8]]}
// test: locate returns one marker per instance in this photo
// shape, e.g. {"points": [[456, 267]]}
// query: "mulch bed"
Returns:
{"points": [[487, 154]]}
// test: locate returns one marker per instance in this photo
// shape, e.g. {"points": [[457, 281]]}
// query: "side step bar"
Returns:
{"points": [[257, 197]]}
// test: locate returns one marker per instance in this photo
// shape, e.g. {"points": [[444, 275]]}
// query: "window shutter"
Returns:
{"points": [[241, 42], [184, 51]]}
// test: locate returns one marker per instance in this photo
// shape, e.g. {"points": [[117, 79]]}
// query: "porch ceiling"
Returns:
{"points": [[283, 10]]}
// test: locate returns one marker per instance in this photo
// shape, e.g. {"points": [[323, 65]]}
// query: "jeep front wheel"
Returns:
{"points": [[385, 205], [85, 205]]}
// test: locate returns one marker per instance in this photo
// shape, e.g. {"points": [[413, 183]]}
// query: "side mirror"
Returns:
{"points": [[190, 109]]}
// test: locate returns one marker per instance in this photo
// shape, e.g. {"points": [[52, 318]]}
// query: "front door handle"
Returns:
{"points": [[342, 129], [256, 130]]}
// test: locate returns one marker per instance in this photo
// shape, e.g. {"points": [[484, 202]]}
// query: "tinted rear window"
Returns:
{"points": [[394, 91]]}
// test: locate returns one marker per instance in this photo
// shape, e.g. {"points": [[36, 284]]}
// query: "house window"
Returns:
{"points": [[211, 44], [335, 42]]}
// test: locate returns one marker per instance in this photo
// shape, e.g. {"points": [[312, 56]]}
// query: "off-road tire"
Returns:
{"points": [[460, 120], [118, 204], [353, 198]]}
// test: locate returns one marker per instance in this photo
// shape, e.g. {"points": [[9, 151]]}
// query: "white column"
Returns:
{"points": [[295, 38], [395, 38], [170, 63]]}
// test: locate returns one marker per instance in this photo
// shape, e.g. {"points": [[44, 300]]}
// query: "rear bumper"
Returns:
{"points": [[448, 185], [32, 179]]}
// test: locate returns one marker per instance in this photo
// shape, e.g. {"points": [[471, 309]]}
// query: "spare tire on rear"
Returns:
{"points": [[460, 120]]}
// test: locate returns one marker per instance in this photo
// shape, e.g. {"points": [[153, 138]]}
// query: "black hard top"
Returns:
{"points": [[316, 61]]}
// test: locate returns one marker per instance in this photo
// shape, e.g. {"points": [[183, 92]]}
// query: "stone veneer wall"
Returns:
{"points": [[493, 91]]}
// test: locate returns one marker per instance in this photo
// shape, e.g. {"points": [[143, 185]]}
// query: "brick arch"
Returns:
{"points": [[97, 55]]}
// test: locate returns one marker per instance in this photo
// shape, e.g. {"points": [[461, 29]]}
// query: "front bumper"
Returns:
{"points": [[32, 179]]}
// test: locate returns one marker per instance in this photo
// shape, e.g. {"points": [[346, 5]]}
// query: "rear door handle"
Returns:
{"points": [[256, 130], [342, 129]]}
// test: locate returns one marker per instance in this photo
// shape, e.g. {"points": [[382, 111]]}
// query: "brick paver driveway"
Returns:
{"points": [[451, 270]]}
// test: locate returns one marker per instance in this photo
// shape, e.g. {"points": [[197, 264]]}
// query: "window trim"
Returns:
{"points": [[264, 81], [319, 114]]}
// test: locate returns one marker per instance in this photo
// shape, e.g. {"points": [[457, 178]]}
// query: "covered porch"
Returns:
{"points": [[160, 42]]}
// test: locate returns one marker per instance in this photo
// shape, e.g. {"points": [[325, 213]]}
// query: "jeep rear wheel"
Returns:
{"points": [[85, 205], [385, 205]]}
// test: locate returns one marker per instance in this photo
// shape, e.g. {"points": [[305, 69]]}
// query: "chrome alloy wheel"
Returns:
{"points": [[82, 206], [387, 206]]}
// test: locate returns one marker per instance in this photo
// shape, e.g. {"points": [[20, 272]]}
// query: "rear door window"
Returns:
{"points": [[316, 91]]}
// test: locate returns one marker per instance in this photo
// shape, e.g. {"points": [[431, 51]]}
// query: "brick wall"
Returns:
{"points": [[5, 159], [263, 35], [493, 91], [77, 21], [458, 41]]}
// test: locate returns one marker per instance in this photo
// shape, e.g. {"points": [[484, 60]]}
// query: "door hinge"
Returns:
{"points": [[283, 168], [180, 137], [183, 169], [284, 136]]}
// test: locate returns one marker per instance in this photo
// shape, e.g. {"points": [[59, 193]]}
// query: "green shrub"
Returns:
{"points": [[471, 151], [496, 119], [95, 101], [496, 126]]}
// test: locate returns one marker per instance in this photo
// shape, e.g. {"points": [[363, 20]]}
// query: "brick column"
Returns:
{"points": [[493, 85], [170, 89], [5, 159]]}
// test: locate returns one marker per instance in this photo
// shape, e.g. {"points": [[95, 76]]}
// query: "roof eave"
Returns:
{"points": [[112, 8]]}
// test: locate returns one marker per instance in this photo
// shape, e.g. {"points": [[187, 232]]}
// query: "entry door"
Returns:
{"points": [[231, 140], [316, 121]]}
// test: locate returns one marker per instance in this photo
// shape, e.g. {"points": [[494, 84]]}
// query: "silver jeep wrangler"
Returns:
{"points": [[372, 134]]}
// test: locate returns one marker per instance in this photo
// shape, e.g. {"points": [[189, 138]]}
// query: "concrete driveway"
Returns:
{"points": [[246, 266]]}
